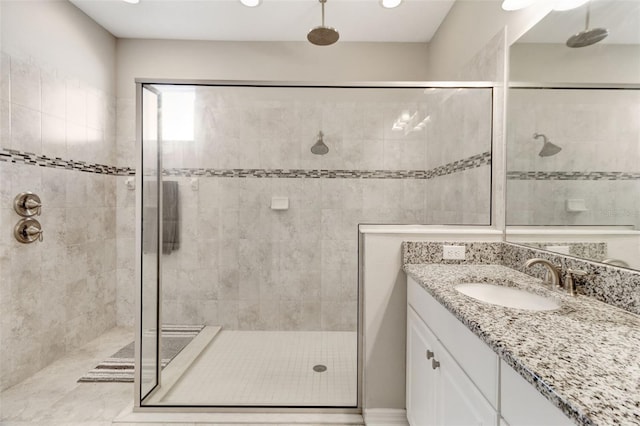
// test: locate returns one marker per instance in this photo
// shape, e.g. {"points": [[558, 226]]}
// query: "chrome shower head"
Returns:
{"points": [[588, 36], [323, 36], [319, 148], [548, 148]]}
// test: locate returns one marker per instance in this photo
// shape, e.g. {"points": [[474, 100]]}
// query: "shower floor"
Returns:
{"points": [[273, 368]]}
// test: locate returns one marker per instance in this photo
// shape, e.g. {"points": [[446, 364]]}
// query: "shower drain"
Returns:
{"points": [[319, 368]]}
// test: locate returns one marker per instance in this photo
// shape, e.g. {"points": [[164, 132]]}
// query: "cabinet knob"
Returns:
{"points": [[435, 364], [429, 354]]}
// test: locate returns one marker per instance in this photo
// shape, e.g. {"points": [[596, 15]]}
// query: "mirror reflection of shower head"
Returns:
{"points": [[323, 36], [319, 148], [588, 36], [548, 148]]}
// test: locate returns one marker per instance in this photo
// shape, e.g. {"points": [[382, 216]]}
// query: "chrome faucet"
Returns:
{"points": [[552, 277]]}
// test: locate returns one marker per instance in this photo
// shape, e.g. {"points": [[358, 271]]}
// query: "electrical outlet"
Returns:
{"points": [[453, 252]]}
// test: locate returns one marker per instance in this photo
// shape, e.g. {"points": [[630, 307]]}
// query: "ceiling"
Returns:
{"points": [[620, 17], [273, 20]]}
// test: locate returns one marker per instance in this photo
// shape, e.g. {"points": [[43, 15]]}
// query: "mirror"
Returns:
{"points": [[573, 134]]}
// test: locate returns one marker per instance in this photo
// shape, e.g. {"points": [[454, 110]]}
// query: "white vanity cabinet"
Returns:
{"points": [[439, 392], [523, 405], [454, 378]]}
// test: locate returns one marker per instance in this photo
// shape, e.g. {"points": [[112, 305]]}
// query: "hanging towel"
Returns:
{"points": [[150, 217], [170, 217]]}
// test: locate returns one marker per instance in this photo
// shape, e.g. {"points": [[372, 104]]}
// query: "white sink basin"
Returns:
{"points": [[507, 296]]}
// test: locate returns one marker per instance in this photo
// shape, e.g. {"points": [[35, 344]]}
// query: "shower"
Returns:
{"points": [[588, 36], [323, 36], [320, 148], [548, 149]]}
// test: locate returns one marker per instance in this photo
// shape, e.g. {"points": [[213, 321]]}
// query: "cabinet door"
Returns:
{"points": [[523, 405], [459, 402], [420, 376]]}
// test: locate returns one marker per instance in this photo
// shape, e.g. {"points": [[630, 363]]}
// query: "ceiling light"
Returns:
{"points": [[510, 5], [390, 4], [131, 1], [251, 3], [561, 5]]}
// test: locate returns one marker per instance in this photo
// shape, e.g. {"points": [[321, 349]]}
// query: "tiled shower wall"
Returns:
{"points": [[59, 293], [586, 124], [243, 265]]}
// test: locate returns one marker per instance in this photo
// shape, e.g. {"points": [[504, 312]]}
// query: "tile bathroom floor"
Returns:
{"points": [[53, 397], [272, 368]]}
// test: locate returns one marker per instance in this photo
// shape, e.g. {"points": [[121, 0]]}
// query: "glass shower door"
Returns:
{"points": [[151, 235]]}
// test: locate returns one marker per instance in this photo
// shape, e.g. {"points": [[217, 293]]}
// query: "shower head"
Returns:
{"points": [[319, 148], [588, 36], [548, 148], [323, 36]]}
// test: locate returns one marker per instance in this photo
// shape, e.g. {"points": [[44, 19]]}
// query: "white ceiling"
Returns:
{"points": [[273, 20], [620, 17]]}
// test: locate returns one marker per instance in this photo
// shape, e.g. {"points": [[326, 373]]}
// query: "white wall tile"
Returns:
{"points": [[25, 83]]}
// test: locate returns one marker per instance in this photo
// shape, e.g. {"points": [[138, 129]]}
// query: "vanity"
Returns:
{"points": [[475, 363]]}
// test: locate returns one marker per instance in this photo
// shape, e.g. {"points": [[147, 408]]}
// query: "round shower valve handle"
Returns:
{"points": [[28, 231], [27, 204]]}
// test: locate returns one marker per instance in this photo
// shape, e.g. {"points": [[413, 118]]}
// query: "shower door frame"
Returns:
{"points": [[360, 388]]}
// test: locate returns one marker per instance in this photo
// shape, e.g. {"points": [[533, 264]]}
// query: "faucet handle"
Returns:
{"points": [[570, 283]]}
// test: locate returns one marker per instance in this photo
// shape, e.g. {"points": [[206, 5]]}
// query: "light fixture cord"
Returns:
{"points": [[323, 2]]}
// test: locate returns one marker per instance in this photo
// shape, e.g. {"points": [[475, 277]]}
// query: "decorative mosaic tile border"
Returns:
{"points": [[516, 175], [610, 284], [14, 156], [454, 167], [475, 161]]}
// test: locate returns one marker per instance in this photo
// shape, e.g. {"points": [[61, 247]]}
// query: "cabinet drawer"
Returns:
{"points": [[477, 360], [523, 405]]}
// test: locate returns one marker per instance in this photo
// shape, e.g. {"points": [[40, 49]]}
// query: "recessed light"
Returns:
{"points": [[510, 5], [390, 4], [251, 3], [131, 1], [562, 5]]}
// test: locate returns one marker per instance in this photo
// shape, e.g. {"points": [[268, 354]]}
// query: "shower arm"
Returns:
{"points": [[540, 135]]}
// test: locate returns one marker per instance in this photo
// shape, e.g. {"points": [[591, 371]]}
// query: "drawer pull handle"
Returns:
{"points": [[435, 364], [429, 354]]}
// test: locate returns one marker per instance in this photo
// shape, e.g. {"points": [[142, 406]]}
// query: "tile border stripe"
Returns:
{"points": [[472, 162], [19, 157], [524, 175]]}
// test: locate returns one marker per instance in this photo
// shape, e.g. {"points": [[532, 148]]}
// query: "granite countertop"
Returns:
{"points": [[583, 357]]}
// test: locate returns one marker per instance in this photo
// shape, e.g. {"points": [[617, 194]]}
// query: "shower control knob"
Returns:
{"points": [[27, 204], [28, 230]]}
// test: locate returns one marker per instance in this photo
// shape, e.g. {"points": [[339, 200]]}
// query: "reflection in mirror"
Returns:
{"points": [[573, 136]]}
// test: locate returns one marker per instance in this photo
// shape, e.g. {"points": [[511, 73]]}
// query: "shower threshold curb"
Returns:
{"points": [[129, 417], [174, 371]]}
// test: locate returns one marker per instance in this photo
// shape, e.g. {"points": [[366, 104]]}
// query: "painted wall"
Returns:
{"points": [[469, 27], [56, 97], [279, 61], [601, 63]]}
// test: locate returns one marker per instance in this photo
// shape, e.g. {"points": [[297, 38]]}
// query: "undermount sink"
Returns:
{"points": [[507, 296]]}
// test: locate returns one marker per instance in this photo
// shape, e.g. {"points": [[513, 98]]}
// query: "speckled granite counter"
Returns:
{"points": [[583, 357]]}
